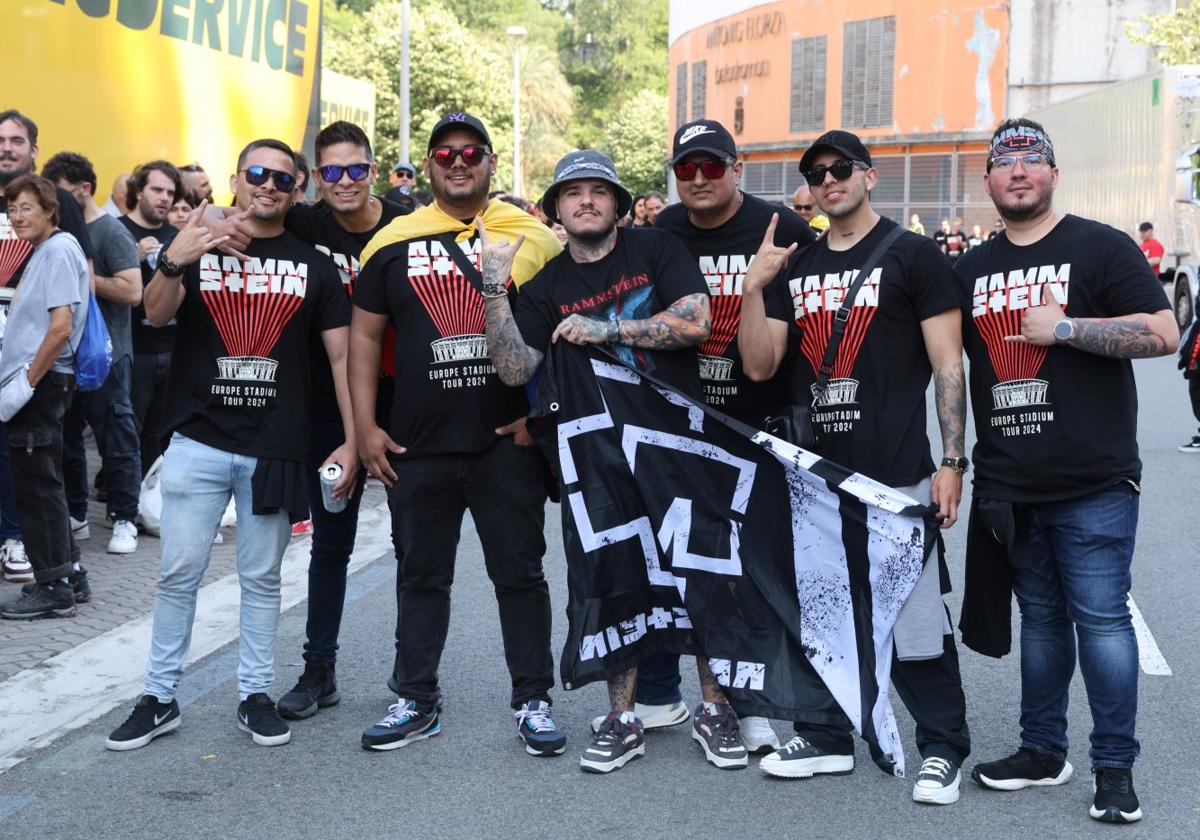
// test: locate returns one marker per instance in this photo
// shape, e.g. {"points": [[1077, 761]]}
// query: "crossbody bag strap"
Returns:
{"points": [[825, 371], [466, 266]]}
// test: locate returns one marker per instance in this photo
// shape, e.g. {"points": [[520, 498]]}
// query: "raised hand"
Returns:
{"points": [[235, 228], [498, 256], [768, 261], [1037, 325], [194, 239]]}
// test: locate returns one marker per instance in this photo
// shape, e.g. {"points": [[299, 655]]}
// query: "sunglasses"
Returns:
{"points": [[1006, 162], [802, 207], [711, 168], [444, 156], [332, 173], [841, 170], [256, 176]]}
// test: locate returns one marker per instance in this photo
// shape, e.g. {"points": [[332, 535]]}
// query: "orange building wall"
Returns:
{"points": [[935, 72]]}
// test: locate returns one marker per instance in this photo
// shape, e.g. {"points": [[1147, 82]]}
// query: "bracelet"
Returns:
{"points": [[491, 291]]}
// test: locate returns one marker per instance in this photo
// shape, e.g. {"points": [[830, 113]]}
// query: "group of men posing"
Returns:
{"points": [[348, 332]]}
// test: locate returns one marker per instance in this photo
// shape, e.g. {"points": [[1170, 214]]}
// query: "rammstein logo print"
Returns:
{"points": [[454, 306]]}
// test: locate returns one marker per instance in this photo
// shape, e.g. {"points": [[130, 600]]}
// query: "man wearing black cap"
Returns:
{"points": [[722, 227], [455, 439], [904, 325], [638, 291]]}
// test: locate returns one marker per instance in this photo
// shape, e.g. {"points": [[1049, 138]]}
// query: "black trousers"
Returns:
{"points": [[35, 441], [932, 692], [109, 411], [149, 394], [504, 488], [1194, 393]]}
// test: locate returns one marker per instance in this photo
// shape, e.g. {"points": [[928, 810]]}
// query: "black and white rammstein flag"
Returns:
{"points": [[688, 532]]}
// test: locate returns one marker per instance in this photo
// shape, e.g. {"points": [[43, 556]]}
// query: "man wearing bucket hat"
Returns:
{"points": [[640, 292]]}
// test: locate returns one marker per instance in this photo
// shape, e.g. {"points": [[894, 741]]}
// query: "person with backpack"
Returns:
{"points": [[37, 377]]}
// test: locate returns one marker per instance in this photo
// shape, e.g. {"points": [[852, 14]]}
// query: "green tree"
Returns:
{"points": [[636, 140], [1176, 34]]}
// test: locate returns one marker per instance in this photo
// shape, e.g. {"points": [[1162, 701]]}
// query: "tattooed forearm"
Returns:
{"points": [[515, 360], [683, 324], [1120, 338], [620, 690], [710, 689], [950, 399]]}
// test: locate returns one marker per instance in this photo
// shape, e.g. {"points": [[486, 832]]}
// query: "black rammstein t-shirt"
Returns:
{"points": [[873, 417], [724, 254], [148, 339], [1052, 422]]}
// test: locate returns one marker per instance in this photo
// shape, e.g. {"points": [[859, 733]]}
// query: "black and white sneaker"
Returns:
{"points": [[405, 722], [1024, 768], [149, 719], [41, 600], [718, 734], [80, 585], [537, 730], [258, 716], [316, 689], [1115, 801], [938, 782], [798, 759], [1192, 445], [620, 740]]}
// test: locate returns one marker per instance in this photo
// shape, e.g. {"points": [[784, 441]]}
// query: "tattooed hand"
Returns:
{"points": [[497, 256], [579, 329], [768, 262]]}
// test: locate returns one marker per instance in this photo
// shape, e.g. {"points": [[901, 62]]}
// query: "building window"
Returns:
{"points": [[699, 89], [808, 84], [868, 71], [681, 93]]}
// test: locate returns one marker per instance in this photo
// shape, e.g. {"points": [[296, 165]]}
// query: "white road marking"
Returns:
{"points": [[1153, 661], [75, 688]]}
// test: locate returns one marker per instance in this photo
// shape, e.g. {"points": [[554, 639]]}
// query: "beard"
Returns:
{"points": [[475, 194], [1024, 214], [7, 177]]}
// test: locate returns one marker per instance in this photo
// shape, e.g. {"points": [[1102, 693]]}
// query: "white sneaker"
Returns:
{"points": [[757, 735], [124, 538], [80, 529], [653, 717], [937, 783], [17, 568]]}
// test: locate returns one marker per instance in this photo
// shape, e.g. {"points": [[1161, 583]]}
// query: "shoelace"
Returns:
{"points": [[726, 726], [399, 712], [935, 767], [611, 731], [539, 718], [1112, 781], [796, 744]]}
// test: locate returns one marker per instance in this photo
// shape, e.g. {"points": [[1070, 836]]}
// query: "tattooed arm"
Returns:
{"points": [[685, 323], [1129, 337], [943, 343], [515, 361], [620, 690], [710, 689]]}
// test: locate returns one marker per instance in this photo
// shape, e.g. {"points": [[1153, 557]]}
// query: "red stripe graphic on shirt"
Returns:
{"points": [[1012, 360], [726, 314], [13, 251], [817, 327], [451, 301]]}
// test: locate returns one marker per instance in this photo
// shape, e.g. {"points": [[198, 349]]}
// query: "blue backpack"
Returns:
{"points": [[93, 356]]}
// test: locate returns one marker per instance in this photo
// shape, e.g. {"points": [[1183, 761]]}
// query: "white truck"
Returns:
{"points": [[1130, 153]]}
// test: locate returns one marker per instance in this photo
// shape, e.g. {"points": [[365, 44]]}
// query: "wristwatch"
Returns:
{"points": [[1064, 330], [166, 267], [960, 465]]}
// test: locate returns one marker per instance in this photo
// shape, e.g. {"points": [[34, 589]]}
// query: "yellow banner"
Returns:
{"points": [[346, 98], [126, 81]]}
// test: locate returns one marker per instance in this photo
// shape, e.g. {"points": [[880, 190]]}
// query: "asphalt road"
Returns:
{"points": [[475, 780]]}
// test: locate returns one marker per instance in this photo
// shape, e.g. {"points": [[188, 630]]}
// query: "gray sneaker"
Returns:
{"points": [[718, 735], [49, 600]]}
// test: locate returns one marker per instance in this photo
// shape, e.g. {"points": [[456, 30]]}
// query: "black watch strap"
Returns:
{"points": [[960, 465], [166, 267]]}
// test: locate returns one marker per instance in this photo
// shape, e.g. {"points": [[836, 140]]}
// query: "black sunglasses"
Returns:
{"points": [[444, 156], [804, 207], [256, 176], [841, 170], [332, 173]]}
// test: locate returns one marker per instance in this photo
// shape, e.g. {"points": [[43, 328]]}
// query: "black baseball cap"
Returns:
{"points": [[703, 136], [457, 120], [585, 164], [842, 142]]}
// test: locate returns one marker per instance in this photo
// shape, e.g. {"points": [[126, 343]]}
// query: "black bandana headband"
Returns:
{"points": [[1021, 140]]}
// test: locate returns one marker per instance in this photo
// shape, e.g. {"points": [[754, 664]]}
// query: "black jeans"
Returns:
{"points": [[932, 692], [35, 459], [149, 394], [332, 545], [1194, 394], [504, 488], [109, 411]]}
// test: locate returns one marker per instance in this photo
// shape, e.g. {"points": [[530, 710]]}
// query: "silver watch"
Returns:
{"points": [[1064, 330]]}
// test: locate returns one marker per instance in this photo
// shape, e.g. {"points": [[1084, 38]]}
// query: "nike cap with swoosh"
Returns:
{"points": [[707, 136]]}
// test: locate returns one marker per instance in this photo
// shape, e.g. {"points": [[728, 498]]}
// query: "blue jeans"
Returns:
{"points": [[197, 481], [1077, 587], [10, 520]]}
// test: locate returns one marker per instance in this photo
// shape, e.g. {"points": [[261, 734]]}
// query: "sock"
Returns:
{"points": [[711, 708]]}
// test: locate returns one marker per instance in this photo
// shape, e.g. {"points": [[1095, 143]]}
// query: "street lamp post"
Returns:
{"points": [[516, 33], [404, 104]]}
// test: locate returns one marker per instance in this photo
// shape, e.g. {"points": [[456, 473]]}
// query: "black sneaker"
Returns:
{"points": [[405, 722], [80, 585], [1192, 446], [149, 719], [798, 759], [1115, 800], [619, 741], [938, 782], [316, 688], [258, 716], [537, 730], [1024, 768], [42, 600], [720, 737]]}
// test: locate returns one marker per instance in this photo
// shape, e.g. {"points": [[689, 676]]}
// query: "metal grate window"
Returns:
{"points": [[681, 94], [808, 84], [764, 179], [868, 71], [699, 89]]}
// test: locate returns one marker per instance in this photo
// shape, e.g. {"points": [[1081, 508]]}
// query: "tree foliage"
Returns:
{"points": [[1175, 34], [636, 140]]}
